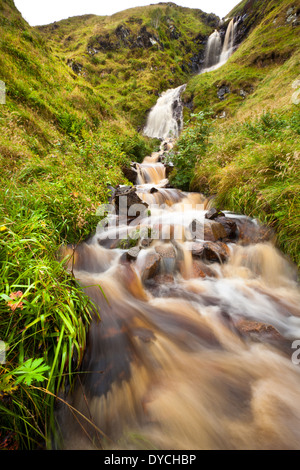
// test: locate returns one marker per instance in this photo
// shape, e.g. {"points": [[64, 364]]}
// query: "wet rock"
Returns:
{"points": [[197, 249], [131, 280], [229, 226], [124, 198], [247, 327], [133, 253], [213, 213], [151, 266], [146, 242], [169, 169], [214, 231], [262, 332], [163, 278], [201, 269], [130, 173], [251, 232], [153, 190], [215, 252], [166, 251]]}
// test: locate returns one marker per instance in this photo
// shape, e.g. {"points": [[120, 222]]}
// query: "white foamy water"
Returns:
{"points": [[165, 118]]}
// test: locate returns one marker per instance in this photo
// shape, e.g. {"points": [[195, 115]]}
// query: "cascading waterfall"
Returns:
{"points": [[227, 49], [165, 118], [217, 55], [194, 347], [213, 50]]}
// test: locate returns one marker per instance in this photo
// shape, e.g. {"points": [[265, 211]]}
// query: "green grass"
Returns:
{"points": [[251, 167]]}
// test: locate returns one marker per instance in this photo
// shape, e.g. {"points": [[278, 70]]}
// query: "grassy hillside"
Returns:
{"points": [[251, 158], [134, 55]]}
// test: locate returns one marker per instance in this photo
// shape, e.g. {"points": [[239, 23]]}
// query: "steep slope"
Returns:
{"points": [[133, 55], [251, 160], [55, 120]]}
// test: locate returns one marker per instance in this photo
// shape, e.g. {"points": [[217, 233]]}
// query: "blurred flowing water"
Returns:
{"points": [[191, 352]]}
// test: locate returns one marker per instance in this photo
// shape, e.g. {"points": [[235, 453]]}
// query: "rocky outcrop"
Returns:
{"points": [[123, 37], [75, 66], [130, 172]]}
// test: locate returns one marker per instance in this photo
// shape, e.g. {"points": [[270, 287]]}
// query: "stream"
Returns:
{"points": [[199, 314]]}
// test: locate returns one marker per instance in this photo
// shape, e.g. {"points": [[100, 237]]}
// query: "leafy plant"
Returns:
{"points": [[190, 146], [31, 371]]}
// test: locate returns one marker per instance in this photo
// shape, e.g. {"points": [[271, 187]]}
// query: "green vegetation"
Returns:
{"points": [[134, 55], [190, 146], [253, 168], [251, 160]]}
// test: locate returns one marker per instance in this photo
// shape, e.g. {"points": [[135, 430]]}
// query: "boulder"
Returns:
{"points": [[146, 242], [153, 190], [166, 251], [214, 231], [215, 252], [130, 173], [151, 266], [209, 230], [197, 249], [133, 253], [201, 269], [124, 197], [229, 226], [251, 232], [222, 92], [213, 213], [210, 251]]}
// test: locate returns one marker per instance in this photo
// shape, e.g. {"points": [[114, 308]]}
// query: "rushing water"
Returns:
{"points": [[191, 352], [165, 118], [217, 55]]}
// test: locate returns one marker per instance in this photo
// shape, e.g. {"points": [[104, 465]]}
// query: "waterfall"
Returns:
{"points": [[213, 49], [215, 54], [165, 118], [227, 49]]}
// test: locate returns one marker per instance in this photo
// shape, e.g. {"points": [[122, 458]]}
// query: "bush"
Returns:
{"points": [[190, 146]]}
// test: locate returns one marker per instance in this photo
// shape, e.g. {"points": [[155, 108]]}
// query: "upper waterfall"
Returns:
{"points": [[165, 118], [213, 49], [217, 55], [228, 45]]}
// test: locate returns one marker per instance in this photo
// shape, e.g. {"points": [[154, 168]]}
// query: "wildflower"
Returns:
{"points": [[14, 305], [3, 228]]}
